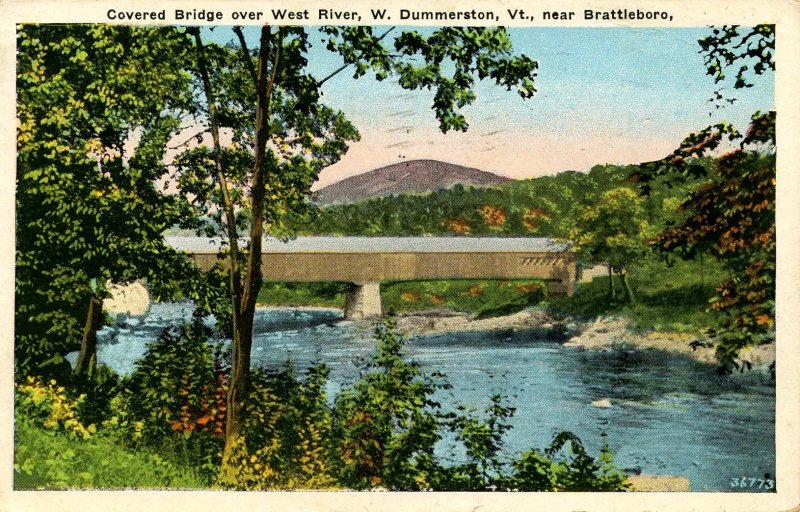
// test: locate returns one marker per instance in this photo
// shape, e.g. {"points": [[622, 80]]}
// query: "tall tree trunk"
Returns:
{"points": [[235, 393], [623, 275], [87, 358], [243, 296], [240, 375], [610, 283]]}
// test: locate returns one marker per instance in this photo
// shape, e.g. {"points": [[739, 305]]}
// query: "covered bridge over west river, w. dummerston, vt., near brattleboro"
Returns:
{"points": [[366, 261]]}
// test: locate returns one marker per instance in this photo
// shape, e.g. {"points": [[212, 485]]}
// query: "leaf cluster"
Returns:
{"points": [[88, 210], [732, 217]]}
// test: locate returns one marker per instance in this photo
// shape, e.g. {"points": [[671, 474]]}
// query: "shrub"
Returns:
{"points": [[286, 434], [48, 459], [55, 449], [483, 441], [511, 299], [381, 432], [574, 470], [175, 398], [177, 384], [385, 429], [99, 388], [48, 403], [386, 426]]}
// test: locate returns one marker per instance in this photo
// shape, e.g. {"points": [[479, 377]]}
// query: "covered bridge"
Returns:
{"points": [[366, 261]]}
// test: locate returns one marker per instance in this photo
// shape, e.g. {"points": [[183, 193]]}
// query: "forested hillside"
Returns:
{"points": [[544, 206]]}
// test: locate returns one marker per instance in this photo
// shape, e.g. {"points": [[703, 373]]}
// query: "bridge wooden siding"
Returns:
{"points": [[366, 262], [557, 269]]}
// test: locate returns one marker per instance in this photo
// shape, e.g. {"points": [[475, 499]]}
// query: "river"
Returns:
{"points": [[667, 414]]}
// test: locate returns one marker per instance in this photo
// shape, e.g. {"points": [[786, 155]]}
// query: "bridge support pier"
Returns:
{"points": [[363, 301]]}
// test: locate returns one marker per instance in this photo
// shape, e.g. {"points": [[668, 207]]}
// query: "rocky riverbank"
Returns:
{"points": [[552, 326], [604, 333], [615, 333]]}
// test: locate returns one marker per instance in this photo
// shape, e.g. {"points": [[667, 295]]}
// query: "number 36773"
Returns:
{"points": [[752, 483]]}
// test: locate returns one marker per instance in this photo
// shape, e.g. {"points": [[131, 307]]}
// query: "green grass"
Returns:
{"points": [[51, 460], [484, 298], [671, 298], [323, 294]]}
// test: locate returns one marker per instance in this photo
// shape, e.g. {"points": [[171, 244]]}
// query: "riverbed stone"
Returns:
{"points": [[129, 299]]}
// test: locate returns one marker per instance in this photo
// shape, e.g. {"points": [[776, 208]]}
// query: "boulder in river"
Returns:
{"points": [[602, 402], [603, 333], [130, 299]]}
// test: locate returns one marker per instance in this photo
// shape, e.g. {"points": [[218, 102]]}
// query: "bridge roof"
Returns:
{"points": [[361, 244]]}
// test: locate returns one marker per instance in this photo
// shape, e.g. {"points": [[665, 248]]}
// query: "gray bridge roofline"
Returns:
{"points": [[386, 245]]}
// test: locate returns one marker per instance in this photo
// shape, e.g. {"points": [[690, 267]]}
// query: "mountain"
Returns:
{"points": [[418, 176]]}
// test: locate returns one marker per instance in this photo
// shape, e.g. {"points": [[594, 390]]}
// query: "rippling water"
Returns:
{"points": [[668, 415]]}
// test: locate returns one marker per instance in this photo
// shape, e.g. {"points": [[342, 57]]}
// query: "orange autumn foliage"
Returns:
{"points": [[532, 217], [457, 226], [493, 216], [209, 415]]}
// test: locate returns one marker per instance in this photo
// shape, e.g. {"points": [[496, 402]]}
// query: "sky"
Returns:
{"points": [[604, 95]]}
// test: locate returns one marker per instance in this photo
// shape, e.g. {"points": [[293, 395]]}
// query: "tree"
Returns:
{"points": [[732, 213], [88, 210], [732, 216], [268, 101], [732, 46], [613, 231]]}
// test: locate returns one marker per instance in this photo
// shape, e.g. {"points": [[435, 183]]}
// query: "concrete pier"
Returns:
{"points": [[363, 301]]}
